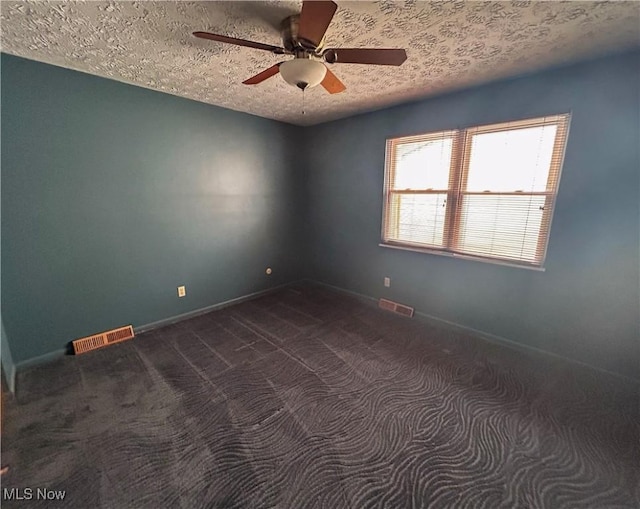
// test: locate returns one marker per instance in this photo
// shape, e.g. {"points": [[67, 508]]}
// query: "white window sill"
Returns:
{"points": [[495, 261]]}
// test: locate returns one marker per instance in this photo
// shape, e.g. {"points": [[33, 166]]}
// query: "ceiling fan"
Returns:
{"points": [[303, 37]]}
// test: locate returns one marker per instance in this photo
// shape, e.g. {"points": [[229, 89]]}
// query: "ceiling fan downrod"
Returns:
{"points": [[303, 36]]}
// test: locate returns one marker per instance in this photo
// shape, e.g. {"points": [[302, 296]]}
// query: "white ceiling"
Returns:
{"points": [[450, 45]]}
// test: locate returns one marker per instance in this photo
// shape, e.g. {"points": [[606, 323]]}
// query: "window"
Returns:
{"points": [[485, 192]]}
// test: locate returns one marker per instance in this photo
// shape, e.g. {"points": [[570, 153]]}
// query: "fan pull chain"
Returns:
{"points": [[303, 101]]}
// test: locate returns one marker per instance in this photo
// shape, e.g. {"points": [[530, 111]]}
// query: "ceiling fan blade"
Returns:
{"points": [[315, 19], [332, 84], [239, 42], [260, 77], [365, 56]]}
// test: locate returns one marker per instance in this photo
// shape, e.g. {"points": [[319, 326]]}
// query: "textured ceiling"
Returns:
{"points": [[450, 45]]}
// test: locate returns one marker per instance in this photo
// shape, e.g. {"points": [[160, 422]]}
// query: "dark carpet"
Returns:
{"points": [[310, 398]]}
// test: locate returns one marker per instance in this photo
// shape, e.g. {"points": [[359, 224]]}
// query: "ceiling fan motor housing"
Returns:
{"points": [[303, 37], [290, 40]]}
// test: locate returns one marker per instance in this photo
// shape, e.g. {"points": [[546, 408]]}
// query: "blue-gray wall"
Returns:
{"points": [[113, 195], [6, 359], [586, 305]]}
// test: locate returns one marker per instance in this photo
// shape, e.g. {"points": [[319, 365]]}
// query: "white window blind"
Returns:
{"points": [[484, 192]]}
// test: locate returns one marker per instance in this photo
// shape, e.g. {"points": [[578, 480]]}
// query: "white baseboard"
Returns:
{"points": [[197, 312], [487, 336], [40, 359], [11, 379], [56, 354]]}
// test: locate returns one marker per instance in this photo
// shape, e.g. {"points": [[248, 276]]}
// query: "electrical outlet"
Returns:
{"points": [[387, 282], [182, 291]]}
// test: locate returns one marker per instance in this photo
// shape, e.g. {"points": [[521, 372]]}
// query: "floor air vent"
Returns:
{"points": [[96, 341], [394, 307]]}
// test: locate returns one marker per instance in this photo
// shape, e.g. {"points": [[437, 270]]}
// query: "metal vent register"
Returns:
{"points": [[394, 307], [106, 338]]}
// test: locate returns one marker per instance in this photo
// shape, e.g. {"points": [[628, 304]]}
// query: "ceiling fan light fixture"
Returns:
{"points": [[303, 72]]}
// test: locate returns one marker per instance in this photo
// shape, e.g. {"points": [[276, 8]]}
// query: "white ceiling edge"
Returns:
{"points": [[451, 46]]}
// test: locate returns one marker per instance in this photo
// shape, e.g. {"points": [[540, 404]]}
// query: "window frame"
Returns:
{"points": [[452, 133], [458, 176]]}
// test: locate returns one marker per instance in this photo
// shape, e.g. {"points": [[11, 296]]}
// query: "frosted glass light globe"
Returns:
{"points": [[303, 72]]}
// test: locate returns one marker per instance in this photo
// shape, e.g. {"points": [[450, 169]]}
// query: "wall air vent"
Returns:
{"points": [[394, 307], [106, 338]]}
